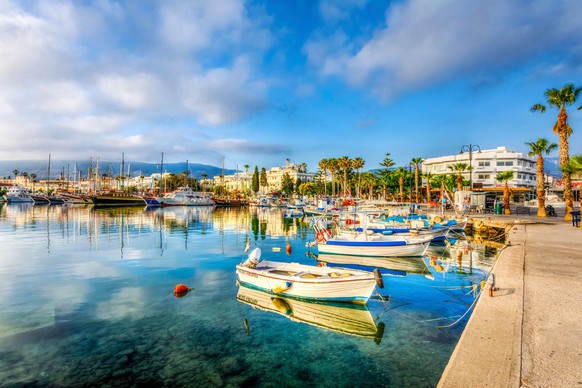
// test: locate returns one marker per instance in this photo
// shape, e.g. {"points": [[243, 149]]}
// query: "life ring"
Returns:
{"points": [[319, 237], [349, 221]]}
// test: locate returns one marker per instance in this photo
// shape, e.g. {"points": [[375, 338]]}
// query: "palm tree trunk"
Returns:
{"points": [[506, 198], [540, 187], [564, 159]]}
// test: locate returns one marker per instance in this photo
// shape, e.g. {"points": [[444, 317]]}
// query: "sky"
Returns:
{"points": [[259, 82]]}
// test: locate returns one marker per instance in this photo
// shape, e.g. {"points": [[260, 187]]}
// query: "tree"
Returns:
{"points": [[307, 188], [33, 177], [287, 183], [505, 177], [345, 163], [263, 179], [459, 168], [323, 166], [15, 172], [358, 164], [560, 99], [401, 173], [369, 180], [204, 176], [428, 176], [416, 162], [303, 167], [255, 181], [246, 166], [332, 165], [540, 147]]}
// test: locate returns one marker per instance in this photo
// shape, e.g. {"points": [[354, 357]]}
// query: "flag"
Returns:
{"points": [[312, 222]]}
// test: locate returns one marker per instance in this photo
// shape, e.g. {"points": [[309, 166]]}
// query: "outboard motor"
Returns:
{"points": [[253, 259]]}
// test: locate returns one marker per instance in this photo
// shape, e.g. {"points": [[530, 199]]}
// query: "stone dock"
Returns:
{"points": [[529, 333]]}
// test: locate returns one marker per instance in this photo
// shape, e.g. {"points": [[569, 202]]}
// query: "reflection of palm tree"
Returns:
{"points": [[540, 147], [505, 177], [416, 162], [459, 168], [560, 99]]}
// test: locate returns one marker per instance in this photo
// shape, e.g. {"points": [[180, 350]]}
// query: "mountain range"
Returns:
{"points": [[40, 168]]}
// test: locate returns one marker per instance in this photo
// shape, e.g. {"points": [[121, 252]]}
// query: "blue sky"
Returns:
{"points": [[257, 82]]}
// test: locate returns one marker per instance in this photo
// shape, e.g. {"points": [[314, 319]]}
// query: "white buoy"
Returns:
{"points": [[253, 259]]}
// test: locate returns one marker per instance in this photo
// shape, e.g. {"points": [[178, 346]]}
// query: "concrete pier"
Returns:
{"points": [[529, 334]]}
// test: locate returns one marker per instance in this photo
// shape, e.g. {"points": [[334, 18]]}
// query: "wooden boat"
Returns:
{"points": [[117, 198], [305, 281], [345, 318], [229, 202]]}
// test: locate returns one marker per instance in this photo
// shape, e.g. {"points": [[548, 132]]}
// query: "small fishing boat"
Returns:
{"points": [[307, 282], [345, 318]]}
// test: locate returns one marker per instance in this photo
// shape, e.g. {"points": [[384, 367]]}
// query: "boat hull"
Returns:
{"points": [[356, 289], [375, 248], [118, 199]]}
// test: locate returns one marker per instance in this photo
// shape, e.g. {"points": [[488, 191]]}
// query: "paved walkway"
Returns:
{"points": [[529, 334]]}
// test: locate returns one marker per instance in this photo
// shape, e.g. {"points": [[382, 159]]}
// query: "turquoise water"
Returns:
{"points": [[86, 299]]}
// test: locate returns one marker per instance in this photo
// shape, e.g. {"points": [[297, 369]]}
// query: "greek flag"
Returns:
{"points": [[312, 222]]}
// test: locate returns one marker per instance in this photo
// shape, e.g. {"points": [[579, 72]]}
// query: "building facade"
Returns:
{"points": [[486, 164]]}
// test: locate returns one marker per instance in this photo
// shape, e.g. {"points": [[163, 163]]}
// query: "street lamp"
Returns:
{"points": [[470, 148]]}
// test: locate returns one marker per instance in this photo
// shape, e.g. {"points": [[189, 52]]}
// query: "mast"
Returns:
{"points": [[121, 174], [49, 176], [97, 175], [161, 176], [186, 178]]}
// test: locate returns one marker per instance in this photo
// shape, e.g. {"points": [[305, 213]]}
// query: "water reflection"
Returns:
{"points": [[340, 317]]}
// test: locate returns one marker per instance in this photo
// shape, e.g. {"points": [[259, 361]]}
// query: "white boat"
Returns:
{"points": [[185, 196], [393, 266], [366, 242], [17, 194], [345, 318], [305, 281]]}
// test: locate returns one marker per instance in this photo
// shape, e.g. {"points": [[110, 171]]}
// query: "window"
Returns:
{"points": [[483, 176], [505, 163], [484, 164]]}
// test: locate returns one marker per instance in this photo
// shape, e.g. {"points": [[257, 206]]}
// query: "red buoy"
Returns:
{"points": [[288, 249], [180, 290]]}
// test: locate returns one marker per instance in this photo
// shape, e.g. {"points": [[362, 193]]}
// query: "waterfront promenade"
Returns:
{"points": [[529, 334]]}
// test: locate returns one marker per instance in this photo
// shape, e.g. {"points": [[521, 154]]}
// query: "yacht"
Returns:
{"points": [[185, 196], [18, 194]]}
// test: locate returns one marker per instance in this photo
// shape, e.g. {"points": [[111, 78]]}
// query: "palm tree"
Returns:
{"points": [[369, 180], [33, 177], [416, 162], [25, 175], [15, 172], [459, 168], [540, 147], [303, 167], [358, 164], [332, 165], [204, 176], [401, 173], [323, 165], [560, 99], [505, 177], [428, 176], [345, 163]]}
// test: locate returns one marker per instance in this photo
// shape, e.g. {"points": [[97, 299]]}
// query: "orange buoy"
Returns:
{"points": [[181, 290], [288, 249]]}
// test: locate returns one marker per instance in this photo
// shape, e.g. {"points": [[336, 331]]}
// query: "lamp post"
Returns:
{"points": [[470, 148]]}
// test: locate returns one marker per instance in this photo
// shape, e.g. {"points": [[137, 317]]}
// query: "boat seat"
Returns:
{"points": [[309, 275], [339, 274], [281, 272]]}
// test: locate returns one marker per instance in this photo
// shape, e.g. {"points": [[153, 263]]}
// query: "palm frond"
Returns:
{"points": [[539, 107]]}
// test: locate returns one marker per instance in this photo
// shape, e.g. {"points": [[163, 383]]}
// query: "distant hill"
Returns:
{"points": [[40, 168]]}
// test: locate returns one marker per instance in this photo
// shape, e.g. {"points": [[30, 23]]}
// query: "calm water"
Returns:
{"points": [[86, 299]]}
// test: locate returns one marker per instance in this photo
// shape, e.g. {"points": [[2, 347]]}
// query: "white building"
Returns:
{"points": [[242, 180], [486, 165]]}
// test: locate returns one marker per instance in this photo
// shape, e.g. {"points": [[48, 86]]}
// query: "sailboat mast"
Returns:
{"points": [[49, 175], [161, 175], [186, 178]]}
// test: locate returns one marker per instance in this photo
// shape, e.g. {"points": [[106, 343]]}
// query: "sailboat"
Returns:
{"points": [[118, 198]]}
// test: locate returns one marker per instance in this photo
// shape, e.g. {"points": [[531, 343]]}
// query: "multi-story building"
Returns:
{"points": [[241, 181], [486, 164]]}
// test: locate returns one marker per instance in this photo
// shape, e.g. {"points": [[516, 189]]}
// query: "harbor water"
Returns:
{"points": [[86, 299]]}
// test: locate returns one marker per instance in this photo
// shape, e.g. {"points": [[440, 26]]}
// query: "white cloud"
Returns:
{"points": [[424, 43]]}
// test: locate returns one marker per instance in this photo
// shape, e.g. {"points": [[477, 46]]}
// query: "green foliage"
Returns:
{"points": [[307, 188], [287, 184], [263, 178], [255, 181]]}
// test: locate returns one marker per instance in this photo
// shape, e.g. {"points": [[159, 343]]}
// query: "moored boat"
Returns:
{"points": [[17, 194], [304, 281], [184, 196], [117, 198]]}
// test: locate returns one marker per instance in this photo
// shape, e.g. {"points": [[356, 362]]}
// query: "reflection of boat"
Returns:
{"points": [[117, 198], [17, 194], [306, 281], [398, 266], [341, 317], [294, 213]]}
